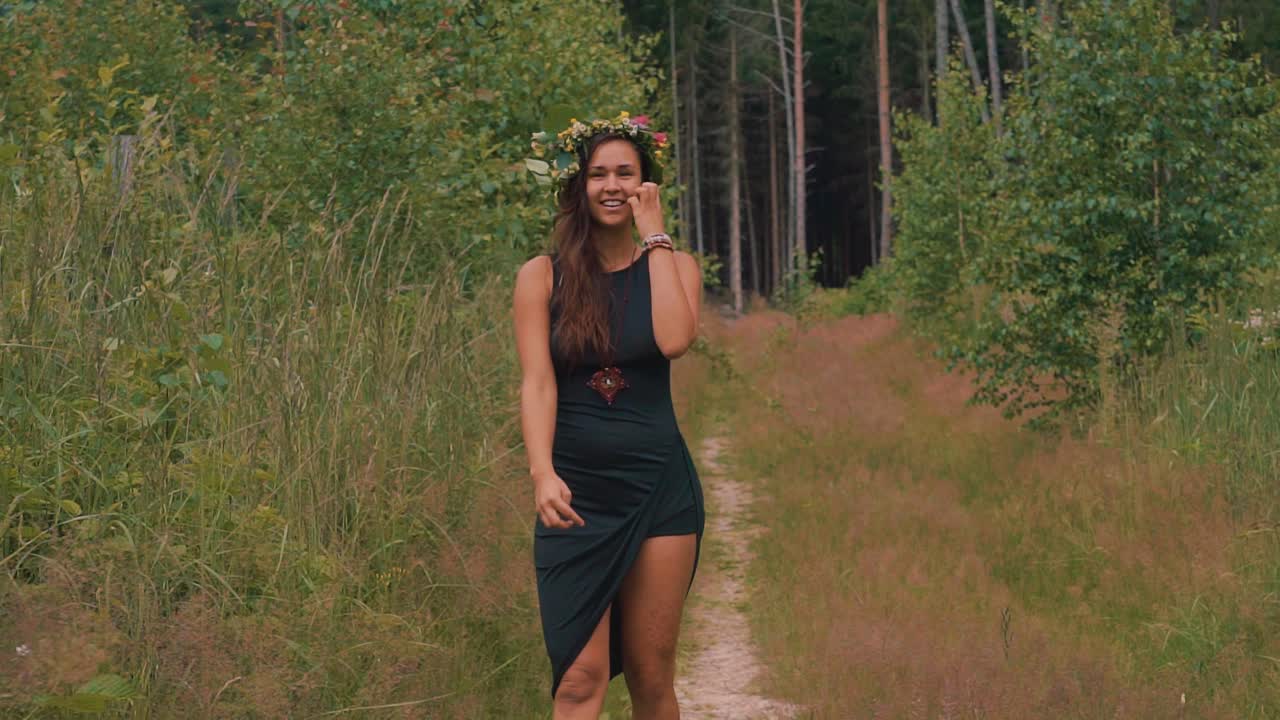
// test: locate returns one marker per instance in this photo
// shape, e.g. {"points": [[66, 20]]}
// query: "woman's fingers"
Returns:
{"points": [[547, 520], [562, 507], [557, 514]]}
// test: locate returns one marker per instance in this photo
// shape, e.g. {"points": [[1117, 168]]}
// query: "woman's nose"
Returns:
{"points": [[611, 182]]}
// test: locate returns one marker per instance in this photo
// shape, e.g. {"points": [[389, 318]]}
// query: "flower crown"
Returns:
{"points": [[555, 157]]}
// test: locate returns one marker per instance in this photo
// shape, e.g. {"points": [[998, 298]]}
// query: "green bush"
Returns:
{"points": [[249, 458], [256, 393], [1132, 187]]}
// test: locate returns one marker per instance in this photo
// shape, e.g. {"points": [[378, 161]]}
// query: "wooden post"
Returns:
{"points": [[124, 150]]}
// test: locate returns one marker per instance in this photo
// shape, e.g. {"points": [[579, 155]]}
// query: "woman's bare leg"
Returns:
{"points": [[582, 689], [651, 602]]}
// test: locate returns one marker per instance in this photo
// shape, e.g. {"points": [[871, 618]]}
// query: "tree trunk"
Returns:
{"points": [[693, 147], [681, 202], [872, 229], [993, 62], [797, 47], [735, 179], [886, 140], [926, 105], [753, 240], [775, 211], [788, 244], [971, 59], [942, 42], [279, 28], [1026, 60], [942, 38]]}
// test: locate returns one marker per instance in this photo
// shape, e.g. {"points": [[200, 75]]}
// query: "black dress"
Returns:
{"points": [[630, 473]]}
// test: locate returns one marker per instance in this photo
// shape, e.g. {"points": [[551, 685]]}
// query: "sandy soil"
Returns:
{"points": [[719, 681]]}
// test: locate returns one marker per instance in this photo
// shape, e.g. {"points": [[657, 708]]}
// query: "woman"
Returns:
{"points": [[619, 504]]}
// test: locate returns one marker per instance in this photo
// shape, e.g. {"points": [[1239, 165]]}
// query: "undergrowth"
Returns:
{"points": [[243, 474]]}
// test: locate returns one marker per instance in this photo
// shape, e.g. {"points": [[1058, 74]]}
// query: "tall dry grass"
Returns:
{"points": [[928, 559], [246, 473]]}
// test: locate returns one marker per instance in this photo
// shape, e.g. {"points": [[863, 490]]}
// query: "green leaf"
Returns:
{"points": [[537, 167], [557, 118], [78, 703], [213, 341], [71, 506], [109, 685]]}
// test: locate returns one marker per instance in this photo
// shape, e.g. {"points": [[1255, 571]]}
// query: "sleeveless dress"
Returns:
{"points": [[630, 473]]}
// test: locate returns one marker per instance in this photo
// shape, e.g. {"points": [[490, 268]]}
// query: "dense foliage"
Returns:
{"points": [[1132, 189], [430, 102], [257, 449]]}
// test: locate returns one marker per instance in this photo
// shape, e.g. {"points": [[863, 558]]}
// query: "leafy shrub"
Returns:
{"points": [[1130, 189]]}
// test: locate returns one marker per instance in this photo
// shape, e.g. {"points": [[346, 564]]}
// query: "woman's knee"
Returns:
{"points": [[582, 683]]}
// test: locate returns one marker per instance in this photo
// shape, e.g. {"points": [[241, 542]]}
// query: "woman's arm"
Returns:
{"points": [[675, 280], [538, 390]]}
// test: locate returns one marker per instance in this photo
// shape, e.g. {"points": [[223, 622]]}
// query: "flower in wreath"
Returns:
{"points": [[555, 158]]}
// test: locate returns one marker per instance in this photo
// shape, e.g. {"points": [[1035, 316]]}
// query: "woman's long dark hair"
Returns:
{"points": [[582, 296]]}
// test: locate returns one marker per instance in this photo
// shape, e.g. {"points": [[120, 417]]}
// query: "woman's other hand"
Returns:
{"points": [[552, 497]]}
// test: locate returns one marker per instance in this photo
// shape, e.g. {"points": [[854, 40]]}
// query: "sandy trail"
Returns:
{"points": [[718, 683]]}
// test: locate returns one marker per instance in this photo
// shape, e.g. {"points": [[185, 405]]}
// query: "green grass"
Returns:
{"points": [[1133, 571], [248, 473]]}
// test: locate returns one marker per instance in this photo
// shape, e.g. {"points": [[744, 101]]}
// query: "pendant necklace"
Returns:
{"points": [[608, 380]]}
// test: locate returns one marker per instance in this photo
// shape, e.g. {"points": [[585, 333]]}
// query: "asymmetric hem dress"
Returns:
{"points": [[630, 473]]}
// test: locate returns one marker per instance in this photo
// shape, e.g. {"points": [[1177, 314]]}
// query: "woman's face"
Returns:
{"points": [[613, 175]]}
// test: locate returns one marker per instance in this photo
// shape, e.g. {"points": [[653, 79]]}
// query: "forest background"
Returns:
{"points": [[259, 447]]}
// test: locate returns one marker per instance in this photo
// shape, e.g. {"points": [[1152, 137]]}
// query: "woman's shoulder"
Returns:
{"points": [[536, 273], [537, 263]]}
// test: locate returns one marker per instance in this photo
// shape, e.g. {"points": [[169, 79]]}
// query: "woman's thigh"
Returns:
{"points": [[651, 601]]}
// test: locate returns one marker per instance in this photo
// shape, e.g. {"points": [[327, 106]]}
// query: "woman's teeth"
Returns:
{"points": [[612, 203]]}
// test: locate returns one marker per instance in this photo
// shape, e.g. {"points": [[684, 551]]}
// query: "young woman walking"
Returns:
{"points": [[619, 504]]}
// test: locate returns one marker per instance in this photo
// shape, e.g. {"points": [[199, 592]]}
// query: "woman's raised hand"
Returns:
{"points": [[552, 496], [646, 210]]}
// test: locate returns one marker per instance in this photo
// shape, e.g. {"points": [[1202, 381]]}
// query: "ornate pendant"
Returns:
{"points": [[608, 382]]}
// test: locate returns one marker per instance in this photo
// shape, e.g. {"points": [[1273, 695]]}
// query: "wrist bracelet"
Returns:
{"points": [[658, 240]]}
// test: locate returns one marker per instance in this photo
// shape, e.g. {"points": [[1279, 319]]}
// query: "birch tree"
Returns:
{"points": [[970, 57], [993, 61]]}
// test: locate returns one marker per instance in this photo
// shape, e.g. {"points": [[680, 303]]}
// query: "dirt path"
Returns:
{"points": [[719, 681]]}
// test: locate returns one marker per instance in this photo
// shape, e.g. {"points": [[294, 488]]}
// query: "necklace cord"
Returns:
{"points": [[610, 349]]}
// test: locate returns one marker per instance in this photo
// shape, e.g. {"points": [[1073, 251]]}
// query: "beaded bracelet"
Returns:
{"points": [[662, 240]]}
